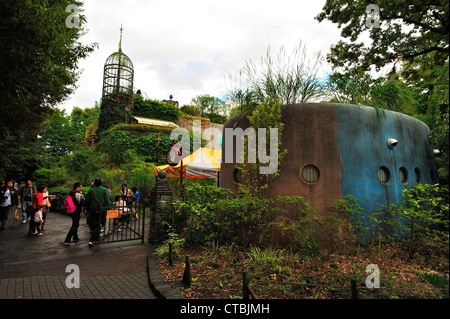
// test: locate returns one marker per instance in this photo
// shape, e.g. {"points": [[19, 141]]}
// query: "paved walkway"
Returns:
{"points": [[34, 267]]}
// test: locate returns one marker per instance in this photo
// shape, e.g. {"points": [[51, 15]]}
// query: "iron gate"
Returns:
{"points": [[122, 223]]}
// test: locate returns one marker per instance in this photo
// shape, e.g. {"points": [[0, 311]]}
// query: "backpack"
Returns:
{"points": [[68, 205]]}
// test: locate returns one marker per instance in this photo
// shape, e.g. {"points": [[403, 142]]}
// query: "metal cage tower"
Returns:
{"points": [[118, 77]]}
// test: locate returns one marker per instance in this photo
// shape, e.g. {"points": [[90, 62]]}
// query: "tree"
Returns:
{"points": [[38, 60], [59, 136], [207, 104], [63, 134], [413, 41], [407, 30]]}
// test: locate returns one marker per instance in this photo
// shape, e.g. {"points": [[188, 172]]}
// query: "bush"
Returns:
{"points": [[155, 109], [51, 177], [423, 220]]}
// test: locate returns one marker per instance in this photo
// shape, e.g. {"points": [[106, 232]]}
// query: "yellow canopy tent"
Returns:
{"points": [[203, 163]]}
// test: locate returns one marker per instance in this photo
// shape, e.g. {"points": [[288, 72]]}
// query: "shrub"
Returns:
{"points": [[51, 177], [209, 214], [424, 220], [155, 109]]}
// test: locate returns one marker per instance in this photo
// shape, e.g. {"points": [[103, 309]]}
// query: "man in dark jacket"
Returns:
{"points": [[78, 200], [8, 198], [96, 197], [26, 196]]}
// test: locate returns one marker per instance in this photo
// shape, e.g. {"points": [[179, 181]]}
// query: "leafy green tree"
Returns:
{"points": [[207, 104], [81, 119], [39, 60], [361, 89], [21, 155], [407, 30], [413, 41], [59, 136]]}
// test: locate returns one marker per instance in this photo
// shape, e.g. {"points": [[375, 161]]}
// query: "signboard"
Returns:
{"points": [[114, 213]]}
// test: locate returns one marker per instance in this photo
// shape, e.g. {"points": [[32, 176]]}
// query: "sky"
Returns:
{"points": [[190, 48]]}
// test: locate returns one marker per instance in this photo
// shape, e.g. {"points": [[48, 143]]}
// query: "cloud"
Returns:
{"points": [[187, 48]]}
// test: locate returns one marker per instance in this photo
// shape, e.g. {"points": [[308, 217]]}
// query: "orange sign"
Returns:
{"points": [[112, 213]]}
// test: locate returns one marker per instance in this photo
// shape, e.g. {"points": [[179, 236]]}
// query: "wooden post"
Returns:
{"points": [[187, 274], [354, 287], [170, 254], [245, 283]]}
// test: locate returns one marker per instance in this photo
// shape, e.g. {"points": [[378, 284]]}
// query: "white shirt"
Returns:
{"points": [[7, 201]]}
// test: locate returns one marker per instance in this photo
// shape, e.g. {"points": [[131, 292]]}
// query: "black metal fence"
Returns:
{"points": [[122, 223]]}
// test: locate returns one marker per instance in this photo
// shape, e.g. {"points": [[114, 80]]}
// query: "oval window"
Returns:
{"points": [[417, 175], [403, 175], [237, 175], [384, 175], [310, 174]]}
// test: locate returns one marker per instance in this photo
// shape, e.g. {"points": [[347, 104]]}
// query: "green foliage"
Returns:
{"points": [[290, 79], [425, 213], [116, 144], [209, 105], [112, 113], [295, 222], [426, 31], [360, 89], [40, 57], [155, 109], [51, 177], [141, 128], [210, 214], [349, 210], [83, 165], [266, 115], [190, 110], [59, 135]]}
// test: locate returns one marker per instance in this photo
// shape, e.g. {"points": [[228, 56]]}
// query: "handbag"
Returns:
{"points": [[49, 204]]}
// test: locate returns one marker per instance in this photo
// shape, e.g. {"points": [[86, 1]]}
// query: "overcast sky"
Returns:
{"points": [[189, 48]]}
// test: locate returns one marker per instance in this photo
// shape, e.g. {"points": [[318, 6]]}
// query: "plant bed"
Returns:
{"points": [[217, 273]]}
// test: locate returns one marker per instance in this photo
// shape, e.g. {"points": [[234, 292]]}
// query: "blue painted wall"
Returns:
{"points": [[362, 140]]}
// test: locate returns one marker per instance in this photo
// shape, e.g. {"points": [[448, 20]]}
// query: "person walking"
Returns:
{"points": [[96, 197], [26, 196], [78, 200], [136, 197], [8, 199], [127, 195]]}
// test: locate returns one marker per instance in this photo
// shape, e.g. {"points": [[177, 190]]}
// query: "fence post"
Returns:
{"points": [[245, 283], [187, 273], [170, 254], [354, 288]]}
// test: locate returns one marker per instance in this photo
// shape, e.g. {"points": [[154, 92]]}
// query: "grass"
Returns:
{"points": [[283, 274]]}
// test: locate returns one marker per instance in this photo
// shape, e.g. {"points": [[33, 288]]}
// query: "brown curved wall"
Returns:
{"points": [[310, 136]]}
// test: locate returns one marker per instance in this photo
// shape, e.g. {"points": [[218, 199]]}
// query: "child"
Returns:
{"points": [[38, 219], [38, 202]]}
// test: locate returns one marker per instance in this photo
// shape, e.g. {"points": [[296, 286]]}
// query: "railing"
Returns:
{"points": [[123, 223]]}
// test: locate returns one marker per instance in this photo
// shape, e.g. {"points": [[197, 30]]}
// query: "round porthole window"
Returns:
{"points": [[310, 174], [403, 175], [384, 175], [237, 175], [417, 175]]}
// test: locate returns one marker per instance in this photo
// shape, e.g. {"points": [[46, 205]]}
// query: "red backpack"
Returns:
{"points": [[68, 205]]}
